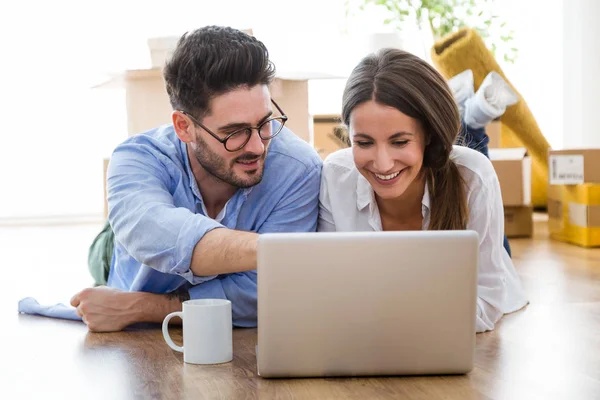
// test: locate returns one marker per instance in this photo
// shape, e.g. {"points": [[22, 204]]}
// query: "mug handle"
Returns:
{"points": [[165, 329]]}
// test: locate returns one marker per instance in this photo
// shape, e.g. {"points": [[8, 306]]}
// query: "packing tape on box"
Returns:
{"points": [[574, 213]]}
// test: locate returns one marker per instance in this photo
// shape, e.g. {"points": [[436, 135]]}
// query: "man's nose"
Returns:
{"points": [[255, 144]]}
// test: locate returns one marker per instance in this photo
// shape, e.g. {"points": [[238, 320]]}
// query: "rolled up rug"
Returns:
{"points": [[464, 50]]}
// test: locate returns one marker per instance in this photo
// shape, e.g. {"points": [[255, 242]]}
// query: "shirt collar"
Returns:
{"points": [[364, 192]]}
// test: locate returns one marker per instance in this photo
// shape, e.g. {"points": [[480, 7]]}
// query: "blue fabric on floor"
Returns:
{"points": [[29, 305]]}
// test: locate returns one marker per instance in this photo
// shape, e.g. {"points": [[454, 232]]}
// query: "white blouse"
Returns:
{"points": [[347, 203]]}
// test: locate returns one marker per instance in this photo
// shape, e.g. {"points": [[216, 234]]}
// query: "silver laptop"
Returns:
{"points": [[366, 303]]}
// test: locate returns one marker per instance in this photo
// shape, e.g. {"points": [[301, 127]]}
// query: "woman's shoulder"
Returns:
{"points": [[475, 168], [473, 160], [339, 171], [340, 159], [339, 164]]}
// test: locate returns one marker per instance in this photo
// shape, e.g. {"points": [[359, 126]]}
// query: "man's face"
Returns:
{"points": [[230, 112]]}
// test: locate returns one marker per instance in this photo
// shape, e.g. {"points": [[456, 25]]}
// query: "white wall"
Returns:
{"points": [[537, 74], [582, 73], [56, 130]]}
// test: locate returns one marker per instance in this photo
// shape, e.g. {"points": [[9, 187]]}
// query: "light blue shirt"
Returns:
{"points": [[157, 214]]}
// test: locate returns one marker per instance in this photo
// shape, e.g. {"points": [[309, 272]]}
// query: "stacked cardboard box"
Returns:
{"points": [[574, 196], [513, 167], [493, 132]]}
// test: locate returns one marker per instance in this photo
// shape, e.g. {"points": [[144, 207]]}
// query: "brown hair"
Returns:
{"points": [[211, 61], [402, 80]]}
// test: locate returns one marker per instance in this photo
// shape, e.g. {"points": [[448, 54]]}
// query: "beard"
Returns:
{"points": [[222, 171]]}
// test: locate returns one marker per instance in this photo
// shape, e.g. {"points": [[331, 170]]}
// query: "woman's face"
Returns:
{"points": [[388, 147]]}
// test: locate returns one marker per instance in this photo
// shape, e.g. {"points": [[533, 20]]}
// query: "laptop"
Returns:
{"points": [[366, 303]]}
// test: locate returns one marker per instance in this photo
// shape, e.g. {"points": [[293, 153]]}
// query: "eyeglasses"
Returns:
{"points": [[239, 138]]}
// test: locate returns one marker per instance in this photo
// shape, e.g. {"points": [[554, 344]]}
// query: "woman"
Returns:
{"points": [[402, 171]]}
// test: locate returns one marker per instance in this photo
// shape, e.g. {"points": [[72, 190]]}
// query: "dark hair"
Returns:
{"points": [[404, 81], [211, 61]]}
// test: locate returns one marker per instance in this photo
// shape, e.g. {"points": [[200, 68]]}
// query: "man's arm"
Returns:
{"points": [[224, 251], [297, 211], [161, 235], [106, 309]]}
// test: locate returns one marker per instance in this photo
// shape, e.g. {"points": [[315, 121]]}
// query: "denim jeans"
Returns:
{"points": [[477, 139]]}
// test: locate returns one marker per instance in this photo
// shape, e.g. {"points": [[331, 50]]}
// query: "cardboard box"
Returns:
{"points": [[518, 221], [574, 214], [325, 139], [574, 166], [147, 103], [493, 132], [513, 167]]}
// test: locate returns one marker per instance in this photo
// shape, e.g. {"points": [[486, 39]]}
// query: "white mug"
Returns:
{"points": [[206, 331]]}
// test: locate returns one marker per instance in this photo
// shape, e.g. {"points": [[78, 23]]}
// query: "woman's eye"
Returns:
{"points": [[363, 144], [400, 143]]}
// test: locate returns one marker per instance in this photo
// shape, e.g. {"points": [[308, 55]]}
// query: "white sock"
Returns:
{"points": [[462, 87], [490, 101]]}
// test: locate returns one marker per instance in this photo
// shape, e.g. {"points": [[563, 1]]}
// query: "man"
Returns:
{"points": [[188, 200]]}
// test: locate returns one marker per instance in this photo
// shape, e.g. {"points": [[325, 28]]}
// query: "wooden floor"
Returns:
{"points": [[550, 350]]}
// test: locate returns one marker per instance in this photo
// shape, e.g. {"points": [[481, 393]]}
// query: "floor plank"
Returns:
{"points": [[549, 350]]}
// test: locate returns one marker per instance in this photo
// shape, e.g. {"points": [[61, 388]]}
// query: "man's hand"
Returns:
{"points": [[105, 309]]}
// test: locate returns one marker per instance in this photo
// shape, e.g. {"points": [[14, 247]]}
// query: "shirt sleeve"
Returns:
{"points": [[144, 217], [486, 217], [297, 211]]}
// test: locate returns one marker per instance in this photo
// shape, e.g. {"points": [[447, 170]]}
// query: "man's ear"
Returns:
{"points": [[183, 127]]}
